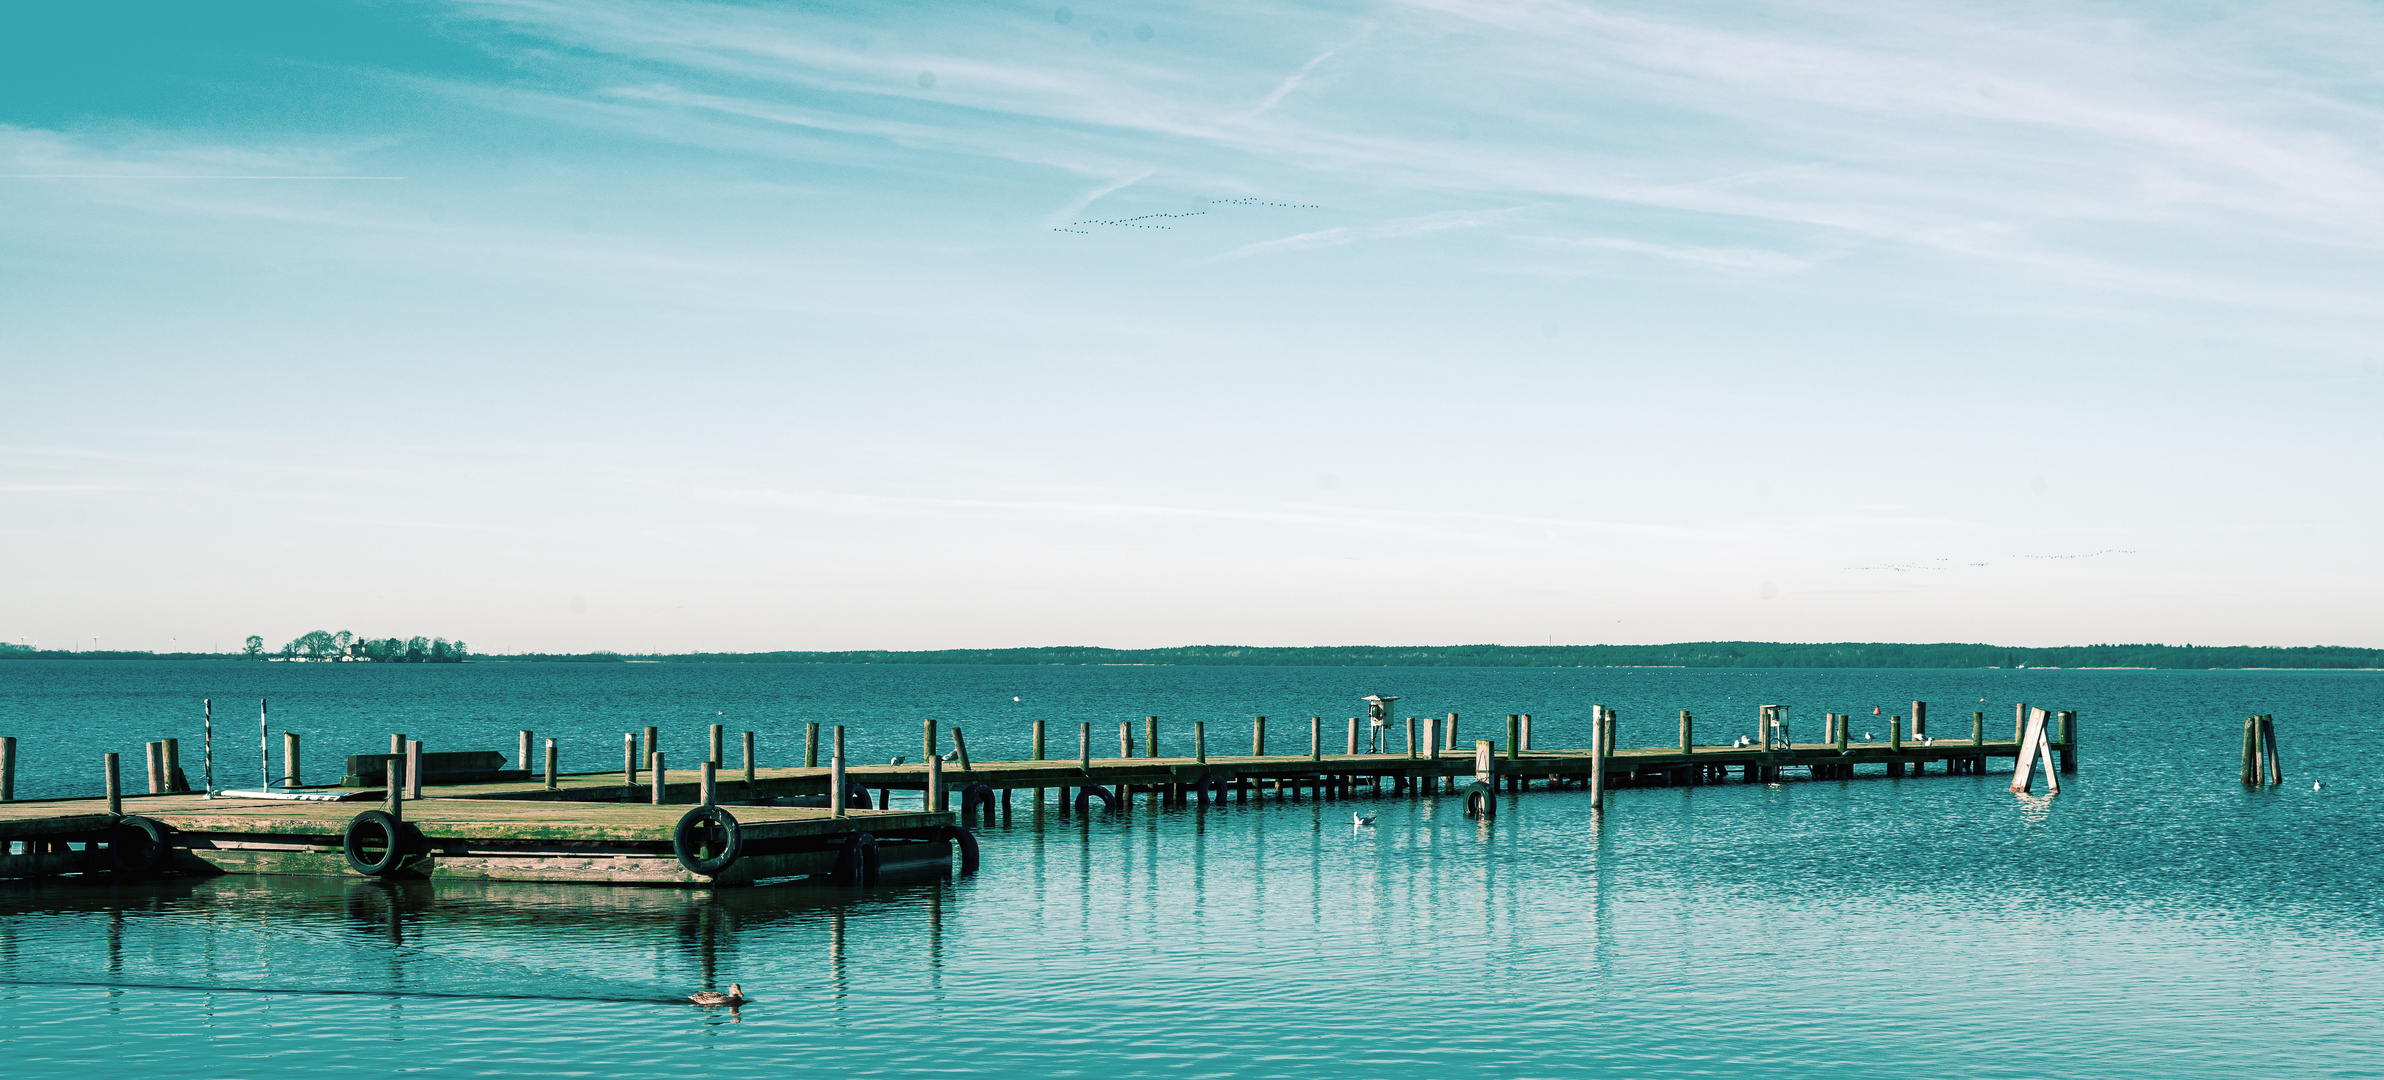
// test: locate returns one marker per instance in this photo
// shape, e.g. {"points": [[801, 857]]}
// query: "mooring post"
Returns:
{"points": [[2069, 740], [1450, 733], [171, 751], [1431, 744], [1597, 757], [745, 756], [1527, 733], [1920, 721], [1485, 765], [1315, 743], [1258, 736], [1411, 736], [928, 747], [960, 747], [1895, 733], [523, 761], [652, 745], [1978, 729], [708, 787], [718, 756], [836, 773], [1084, 746], [2019, 720], [393, 802], [289, 760], [2276, 763], [1150, 735], [628, 765], [8, 768], [1685, 745], [2251, 750], [811, 745], [1200, 745], [932, 800], [1037, 743], [658, 780], [551, 761], [1845, 720], [1514, 735], [1353, 737], [114, 778], [154, 755], [1125, 738], [413, 768]]}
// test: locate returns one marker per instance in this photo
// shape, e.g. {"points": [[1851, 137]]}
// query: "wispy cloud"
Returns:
{"points": [[1389, 230]]}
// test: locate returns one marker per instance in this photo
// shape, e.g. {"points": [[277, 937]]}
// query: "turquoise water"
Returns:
{"points": [[2153, 920]]}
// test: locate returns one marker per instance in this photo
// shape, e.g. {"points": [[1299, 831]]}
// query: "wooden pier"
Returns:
{"points": [[713, 827]]}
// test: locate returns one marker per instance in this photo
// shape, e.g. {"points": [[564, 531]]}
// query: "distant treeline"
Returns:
{"points": [[1699, 654]]}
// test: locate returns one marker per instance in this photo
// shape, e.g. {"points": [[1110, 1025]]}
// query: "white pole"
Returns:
{"points": [[207, 737], [264, 762]]}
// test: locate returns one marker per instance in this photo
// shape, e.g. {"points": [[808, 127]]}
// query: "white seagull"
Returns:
{"points": [[1360, 821]]}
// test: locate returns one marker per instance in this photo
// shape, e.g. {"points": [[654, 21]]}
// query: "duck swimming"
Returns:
{"points": [[735, 996]]}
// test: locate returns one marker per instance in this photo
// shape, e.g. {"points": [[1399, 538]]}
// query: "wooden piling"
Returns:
{"points": [[2251, 751], [1597, 757], [745, 755], [113, 775], [708, 787], [522, 761], [1084, 749], [811, 744], [1125, 738], [1315, 743], [552, 760], [1258, 736], [393, 801], [932, 800], [289, 760], [1895, 733], [1514, 735], [927, 741], [1527, 733], [1978, 729], [658, 779], [414, 769], [155, 755], [1036, 741], [718, 756], [2276, 763], [1763, 715], [1411, 737], [1431, 742], [1920, 721], [1353, 736], [1200, 743], [652, 745], [1449, 735], [170, 756], [2019, 721], [2069, 740], [1686, 746], [836, 798], [8, 768], [960, 746], [628, 765]]}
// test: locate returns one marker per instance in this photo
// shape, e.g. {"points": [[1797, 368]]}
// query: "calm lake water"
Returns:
{"points": [[2153, 920]]}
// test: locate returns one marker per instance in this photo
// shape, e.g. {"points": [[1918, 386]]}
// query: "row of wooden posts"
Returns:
{"points": [[2259, 751]]}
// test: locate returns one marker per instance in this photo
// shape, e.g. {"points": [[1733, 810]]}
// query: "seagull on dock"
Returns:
{"points": [[709, 998], [1361, 821], [952, 756], [897, 760]]}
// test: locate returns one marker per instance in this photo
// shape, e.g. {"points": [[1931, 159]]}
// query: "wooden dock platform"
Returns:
{"points": [[718, 827]]}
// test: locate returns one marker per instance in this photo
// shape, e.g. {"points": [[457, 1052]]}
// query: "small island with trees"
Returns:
{"points": [[345, 647]]}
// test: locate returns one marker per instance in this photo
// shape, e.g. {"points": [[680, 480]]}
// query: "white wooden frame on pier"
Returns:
{"points": [[2035, 746]]}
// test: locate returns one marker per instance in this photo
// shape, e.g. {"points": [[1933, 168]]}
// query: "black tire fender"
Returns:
{"points": [[351, 843], [1480, 800], [974, 796], [151, 845], [857, 863], [1210, 784], [1085, 797], [685, 843], [856, 797], [966, 841]]}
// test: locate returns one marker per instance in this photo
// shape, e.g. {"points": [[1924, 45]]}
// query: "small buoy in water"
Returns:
{"points": [[1013, 697], [735, 996], [1360, 821]]}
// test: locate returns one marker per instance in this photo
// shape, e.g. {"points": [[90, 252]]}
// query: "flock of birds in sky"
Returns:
{"points": [[1157, 221]]}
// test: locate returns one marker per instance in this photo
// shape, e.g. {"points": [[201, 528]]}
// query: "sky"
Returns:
{"points": [[640, 326]]}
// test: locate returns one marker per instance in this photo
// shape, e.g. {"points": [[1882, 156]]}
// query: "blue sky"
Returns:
{"points": [[743, 326]]}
